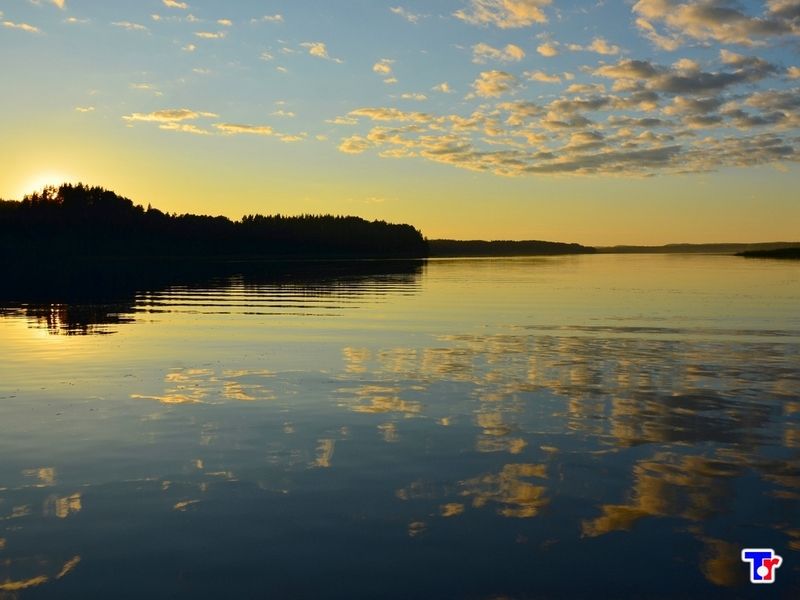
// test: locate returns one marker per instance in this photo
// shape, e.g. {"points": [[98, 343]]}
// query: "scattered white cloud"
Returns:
{"points": [[443, 87], [276, 18], [59, 3], [225, 22], [542, 77], [491, 84], [146, 87], [342, 121], [172, 115], [211, 35], [354, 144], [184, 128], [383, 66], [236, 128], [84, 109], [407, 15], [175, 4], [793, 72], [320, 50], [548, 49], [505, 14], [181, 120], [129, 26], [598, 45], [715, 20], [21, 27], [413, 96], [482, 53]]}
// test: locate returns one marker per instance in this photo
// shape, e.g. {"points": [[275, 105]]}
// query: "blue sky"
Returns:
{"points": [[636, 122]]}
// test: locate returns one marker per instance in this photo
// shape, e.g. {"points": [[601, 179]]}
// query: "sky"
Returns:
{"points": [[608, 122]]}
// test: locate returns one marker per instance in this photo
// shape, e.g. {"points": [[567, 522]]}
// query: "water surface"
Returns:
{"points": [[588, 426]]}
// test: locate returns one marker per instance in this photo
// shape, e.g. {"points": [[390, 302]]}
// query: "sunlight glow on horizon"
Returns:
{"points": [[41, 180]]}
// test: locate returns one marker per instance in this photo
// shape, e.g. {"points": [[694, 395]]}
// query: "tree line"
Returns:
{"points": [[82, 221]]}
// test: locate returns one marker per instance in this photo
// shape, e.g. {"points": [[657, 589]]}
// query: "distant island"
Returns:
{"points": [[471, 248], [729, 248], [792, 253], [80, 222]]}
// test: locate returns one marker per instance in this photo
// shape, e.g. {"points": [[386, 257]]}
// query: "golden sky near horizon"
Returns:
{"points": [[643, 123]]}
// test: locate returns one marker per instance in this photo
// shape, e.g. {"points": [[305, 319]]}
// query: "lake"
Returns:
{"points": [[559, 427]]}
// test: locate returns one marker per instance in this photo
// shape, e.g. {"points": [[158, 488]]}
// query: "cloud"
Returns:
{"points": [[542, 77], [171, 115], [354, 145], [391, 114], [491, 84], [130, 26], [342, 121], [599, 45], [276, 18], [59, 3], [75, 21], [481, 53], [591, 132], [414, 96], [383, 66], [225, 22], [21, 27], [146, 87], [237, 128], [211, 35], [718, 20], [681, 81], [443, 87], [506, 14], [320, 50], [84, 109], [189, 48], [181, 120], [407, 15], [184, 128], [793, 72], [175, 4], [548, 49]]}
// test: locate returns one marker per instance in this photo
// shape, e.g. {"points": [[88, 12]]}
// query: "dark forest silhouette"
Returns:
{"points": [[462, 248], [73, 221], [792, 253]]}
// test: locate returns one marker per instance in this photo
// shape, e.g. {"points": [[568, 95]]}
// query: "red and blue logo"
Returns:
{"points": [[763, 564]]}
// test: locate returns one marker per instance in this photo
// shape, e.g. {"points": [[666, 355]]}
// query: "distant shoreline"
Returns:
{"points": [[792, 253]]}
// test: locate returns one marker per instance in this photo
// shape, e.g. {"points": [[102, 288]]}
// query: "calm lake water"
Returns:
{"points": [[589, 426]]}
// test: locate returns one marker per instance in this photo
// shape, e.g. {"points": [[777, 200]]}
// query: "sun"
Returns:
{"points": [[41, 180]]}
